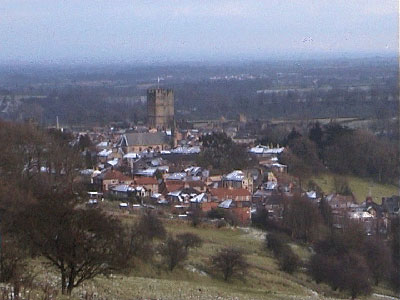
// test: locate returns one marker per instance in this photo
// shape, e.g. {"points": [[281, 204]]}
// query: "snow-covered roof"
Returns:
{"points": [[131, 155], [175, 193], [278, 165], [104, 153], [163, 168], [102, 144], [236, 175], [360, 215], [311, 194], [185, 150], [95, 173], [176, 176], [193, 170], [146, 172], [225, 204], [199, 198], [123, 188], [113, 162], [94, 193], [86, 172], [271, 185], [260, 149], [140, 188]]}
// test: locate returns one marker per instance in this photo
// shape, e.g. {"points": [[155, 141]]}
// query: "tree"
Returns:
{"points": [[341, 186], [190, 240], [229, 261], [275, 242], [302, 157], [221, 153], [142, 234], [151, 226], [84, 142], [288, 260], [302, 217], [339, 262], [378, 258], [173, 252], [12, 263], [326, 212], [395, 247], [355, 275], [196, 216], [80, 243], [315, 134]]}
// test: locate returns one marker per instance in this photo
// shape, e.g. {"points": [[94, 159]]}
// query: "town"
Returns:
{"points": [[198, 150], [157, 167]]}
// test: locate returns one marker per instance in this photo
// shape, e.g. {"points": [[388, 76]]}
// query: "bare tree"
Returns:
{"points": [[142, 234], [190, 240], [230, 261], [173, 252], [80, 243]]}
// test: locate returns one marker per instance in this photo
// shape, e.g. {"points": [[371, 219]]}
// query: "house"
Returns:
{"points": [[140, 141], [240, 209], [121, 190], [183, 195], [104, 155], [170, 186], [113, 177], [198, 185], [237, 180], [149, 183], [337, 201], [221, 194]]}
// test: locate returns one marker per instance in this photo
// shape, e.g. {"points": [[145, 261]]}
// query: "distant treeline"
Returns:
{"points": [[79, 106]]}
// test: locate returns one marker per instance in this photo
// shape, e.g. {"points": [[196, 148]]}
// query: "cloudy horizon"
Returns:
{"points": [[159, 31]]}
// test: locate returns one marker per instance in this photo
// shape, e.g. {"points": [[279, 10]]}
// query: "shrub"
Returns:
{"points": [[230, 261], [275, 242], [216, 213], [173, 252], [288, 260], [221, 223], [190, 240]]}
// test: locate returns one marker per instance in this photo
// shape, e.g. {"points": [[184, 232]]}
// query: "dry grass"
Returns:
{"points": [[195, 279]]}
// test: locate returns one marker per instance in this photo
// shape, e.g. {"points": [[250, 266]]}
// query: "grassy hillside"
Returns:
{"points": [[195, 280], [359, 186]]}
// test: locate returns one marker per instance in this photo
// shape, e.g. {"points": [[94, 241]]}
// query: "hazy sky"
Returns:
{"points": [[129, 31]]}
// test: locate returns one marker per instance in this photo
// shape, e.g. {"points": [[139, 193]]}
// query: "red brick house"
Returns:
{"points": [[221, 194], [149, 183], [113, 177]]}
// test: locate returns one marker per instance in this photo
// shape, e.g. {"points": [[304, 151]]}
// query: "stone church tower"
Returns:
{"points": [[160, 108]]}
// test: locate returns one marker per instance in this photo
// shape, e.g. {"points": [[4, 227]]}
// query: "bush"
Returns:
{"points": [[288, 260], [221, 223], [216, 213], [196, 217], [230, 261], [275, 242], [173, 252], [190, 240]]}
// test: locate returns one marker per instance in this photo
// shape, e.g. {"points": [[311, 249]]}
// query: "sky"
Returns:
{"points": [[118, 31]]}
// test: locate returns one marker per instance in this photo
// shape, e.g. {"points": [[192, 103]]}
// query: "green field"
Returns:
{"points": [[360, 187]]}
